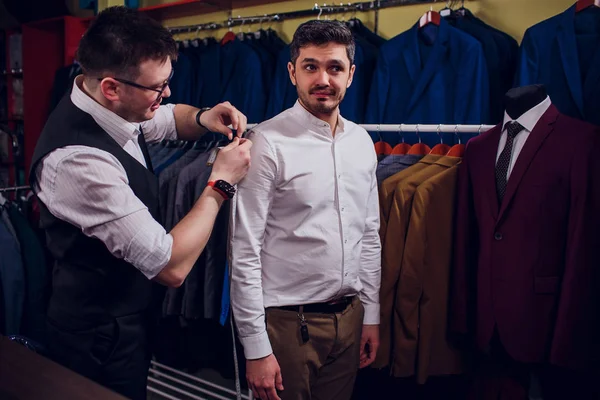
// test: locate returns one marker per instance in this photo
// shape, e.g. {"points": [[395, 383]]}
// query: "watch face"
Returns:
{"points": [[225, 188]]}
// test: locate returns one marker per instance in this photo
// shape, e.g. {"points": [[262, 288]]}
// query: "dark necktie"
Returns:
{"points": [[144, 148], [512, 130]]}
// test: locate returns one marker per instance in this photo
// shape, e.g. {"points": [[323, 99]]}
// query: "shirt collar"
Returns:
{"points": [[320, 125], [529, 119], [121, 130]]}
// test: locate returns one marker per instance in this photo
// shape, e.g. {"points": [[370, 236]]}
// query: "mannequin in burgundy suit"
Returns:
{"points": [[526, 281]]}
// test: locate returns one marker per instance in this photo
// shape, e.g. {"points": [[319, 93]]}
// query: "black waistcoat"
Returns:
{"points": [[89, 285]]}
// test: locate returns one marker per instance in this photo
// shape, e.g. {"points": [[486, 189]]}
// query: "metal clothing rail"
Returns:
{"points": [[439, 128], [14, 188], [421, 128], [317, 11]]}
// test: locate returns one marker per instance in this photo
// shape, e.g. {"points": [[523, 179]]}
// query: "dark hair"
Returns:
{"points": [[120, 39], [318, 33]]}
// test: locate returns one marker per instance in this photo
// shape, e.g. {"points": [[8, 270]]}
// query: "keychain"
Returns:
{"points": [[303, 326]]}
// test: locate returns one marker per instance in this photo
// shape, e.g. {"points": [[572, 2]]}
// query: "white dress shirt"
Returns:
{"points": [[306, 221], [528, 120], [88, 187]]}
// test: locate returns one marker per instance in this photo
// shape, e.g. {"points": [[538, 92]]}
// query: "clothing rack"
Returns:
{"points": [[317, 11]]}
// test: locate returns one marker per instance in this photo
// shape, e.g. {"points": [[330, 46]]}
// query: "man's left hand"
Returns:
{"points": [[218, 119], [369, 343]]}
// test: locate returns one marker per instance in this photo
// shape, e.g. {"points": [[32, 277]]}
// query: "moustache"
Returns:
{"points": [[322, 91]]}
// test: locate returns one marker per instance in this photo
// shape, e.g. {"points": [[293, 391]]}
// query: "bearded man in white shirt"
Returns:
{"points": [[305, 244]]}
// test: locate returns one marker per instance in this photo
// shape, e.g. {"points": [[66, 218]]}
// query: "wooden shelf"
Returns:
{"points": [[183, 8], [186, 8]]}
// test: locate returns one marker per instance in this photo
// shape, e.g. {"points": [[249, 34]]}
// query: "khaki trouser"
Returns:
{"points": [[325, 367]]}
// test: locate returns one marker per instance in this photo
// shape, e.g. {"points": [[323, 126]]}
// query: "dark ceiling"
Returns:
{"points": [[32, 10]]}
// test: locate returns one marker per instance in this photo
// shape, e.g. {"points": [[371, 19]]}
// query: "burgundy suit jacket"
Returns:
{"points": [[530, 267]]}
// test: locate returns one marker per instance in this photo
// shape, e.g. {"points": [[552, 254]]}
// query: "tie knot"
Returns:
{"points": [[513, 128]]}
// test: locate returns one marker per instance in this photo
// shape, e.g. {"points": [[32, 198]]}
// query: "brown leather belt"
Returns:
{"points": [[332, 307]]}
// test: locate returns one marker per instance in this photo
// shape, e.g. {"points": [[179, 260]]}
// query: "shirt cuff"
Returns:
{"points": [[258, 346], [371, 314]]}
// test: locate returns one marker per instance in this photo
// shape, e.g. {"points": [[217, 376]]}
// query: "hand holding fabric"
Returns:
{"points": [[218, 119]]}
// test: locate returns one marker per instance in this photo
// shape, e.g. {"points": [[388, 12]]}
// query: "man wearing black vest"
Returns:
{"points": [[99, 201]]}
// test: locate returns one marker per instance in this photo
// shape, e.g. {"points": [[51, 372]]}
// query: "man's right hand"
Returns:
{"points": [[264, 376], [232, 162]]}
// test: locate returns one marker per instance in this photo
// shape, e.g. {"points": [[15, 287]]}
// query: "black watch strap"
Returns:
{"points": [[199, 113]]}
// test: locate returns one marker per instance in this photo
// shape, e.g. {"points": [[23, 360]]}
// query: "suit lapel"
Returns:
{"points": [[488, 167], [590, 86], [541, 130], [412, 57], [434, 63], [568, 53]]}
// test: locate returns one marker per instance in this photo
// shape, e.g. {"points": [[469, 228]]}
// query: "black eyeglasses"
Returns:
{"points": [[137, 85]]}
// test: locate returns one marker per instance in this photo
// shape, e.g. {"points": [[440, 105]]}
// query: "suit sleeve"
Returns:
{"points": [[527, 70], [575, 344], [370, 257], [464, 260], [252, 205], [410, 286]]}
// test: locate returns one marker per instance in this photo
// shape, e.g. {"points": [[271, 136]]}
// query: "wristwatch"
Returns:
{"points": [[224, 188], [199, 113]]}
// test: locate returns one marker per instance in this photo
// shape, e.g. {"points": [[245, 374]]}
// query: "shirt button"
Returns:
{"points": [[346, 274], [343, 208], [346, 241], [498, 236]]}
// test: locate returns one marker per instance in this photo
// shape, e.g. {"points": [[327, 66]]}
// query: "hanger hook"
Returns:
{"points": [[456, 133], [418, 135], [479, 132], [320, 11], [401, 133], [243, 22], [439, 133], [379, 132]]}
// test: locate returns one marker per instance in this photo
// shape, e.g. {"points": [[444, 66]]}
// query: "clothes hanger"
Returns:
{"points": [[229, 36], [382, 148], [462, 11], [240, 35], [420, 148], [446, 11], [401, 148], [441, 148], [583, 4], [430, 17], [458, 150]]}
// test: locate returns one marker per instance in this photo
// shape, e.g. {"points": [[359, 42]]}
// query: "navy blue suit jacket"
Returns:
{"points": [[283, 93], [183, 81], [450, 87], [241, 80], [552, 54]]}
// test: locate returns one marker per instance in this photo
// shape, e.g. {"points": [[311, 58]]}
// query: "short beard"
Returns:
{"points": [[319, 107]]}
